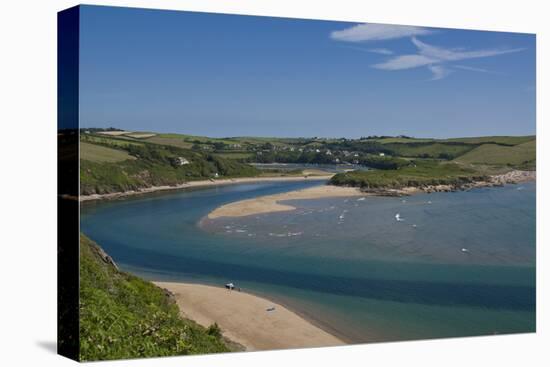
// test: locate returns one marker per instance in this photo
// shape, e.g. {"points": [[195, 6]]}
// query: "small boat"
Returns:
{"points": [[465, 250], [414, 225], [429, 201], [398, 217], [361, 199], [270, 309]]}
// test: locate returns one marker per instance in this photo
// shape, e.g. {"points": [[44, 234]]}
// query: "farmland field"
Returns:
{"points": [[505, 140], [98, 153], [501, 155]]}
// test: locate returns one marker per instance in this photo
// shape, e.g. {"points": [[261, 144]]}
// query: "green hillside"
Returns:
{"points": [[522, 155], [123, 316], [503, 140], [428, 149], [102, 169], [98, 153]]}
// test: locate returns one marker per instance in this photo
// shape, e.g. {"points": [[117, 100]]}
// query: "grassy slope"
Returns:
{"points": [[423, 173], [428, 150], [154, 167], [98, 153], [519, 155], [123, 316], [505, 140]]}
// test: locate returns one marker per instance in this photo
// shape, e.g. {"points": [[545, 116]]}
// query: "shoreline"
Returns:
{"points": [[245, 318], [271, 203], [200, 184], [512, 177]]}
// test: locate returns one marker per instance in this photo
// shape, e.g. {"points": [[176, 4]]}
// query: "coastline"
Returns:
{"points": [[200, 184], [511, 177], [244, 318], [271, 203]]}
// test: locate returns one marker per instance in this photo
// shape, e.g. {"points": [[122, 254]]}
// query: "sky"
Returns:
{"points": [[231, 75]]}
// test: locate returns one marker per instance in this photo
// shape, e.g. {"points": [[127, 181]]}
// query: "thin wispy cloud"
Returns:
{"points": [[381, 51], [443, 54], [377, 32], [436, 58], [438, 71], [477, 70]]}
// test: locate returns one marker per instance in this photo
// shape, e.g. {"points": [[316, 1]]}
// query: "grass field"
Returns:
{"points": [[402, 140], [504, 140], [98, 153], [167, 140], [123, 316], [236, 155], [428, 150], [521, 154], [119, 141]]}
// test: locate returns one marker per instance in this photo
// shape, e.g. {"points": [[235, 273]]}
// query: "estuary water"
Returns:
{"points": [[450, 264]]}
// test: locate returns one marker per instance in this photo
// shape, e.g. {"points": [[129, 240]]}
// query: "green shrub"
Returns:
{"points": [[123, 316]]}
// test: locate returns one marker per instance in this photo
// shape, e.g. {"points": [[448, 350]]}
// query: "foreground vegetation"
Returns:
{"points": [[123, 316]]}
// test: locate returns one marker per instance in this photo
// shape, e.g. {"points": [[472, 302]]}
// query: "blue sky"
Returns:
{"points": [[228, 75]]}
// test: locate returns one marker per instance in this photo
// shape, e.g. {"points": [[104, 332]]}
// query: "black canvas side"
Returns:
{"points": [[68, 24]]}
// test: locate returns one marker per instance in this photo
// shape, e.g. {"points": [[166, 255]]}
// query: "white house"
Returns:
{"points": [[180, 161]]}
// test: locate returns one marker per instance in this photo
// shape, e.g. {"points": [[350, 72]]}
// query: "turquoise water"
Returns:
{"points": [[457, 264]]}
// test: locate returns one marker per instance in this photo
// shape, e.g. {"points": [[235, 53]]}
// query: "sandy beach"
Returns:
{"points": [[204, 183], [245, 319], [270, 203]]}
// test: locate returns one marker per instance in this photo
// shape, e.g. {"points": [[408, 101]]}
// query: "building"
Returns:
{"points": [[180, 161]]}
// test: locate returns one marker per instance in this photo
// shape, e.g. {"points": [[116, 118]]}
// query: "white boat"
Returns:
{"points": [[398, 217], [464, 250]]}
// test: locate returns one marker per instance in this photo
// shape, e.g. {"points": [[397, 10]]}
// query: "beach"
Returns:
{"points": [[204, 183], [270, 203], [252, 321]]}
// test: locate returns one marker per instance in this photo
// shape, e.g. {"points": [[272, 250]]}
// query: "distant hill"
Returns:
{"points": [[116, 161], [115, 164]]}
